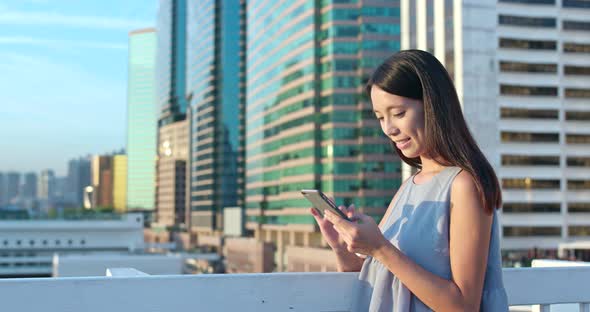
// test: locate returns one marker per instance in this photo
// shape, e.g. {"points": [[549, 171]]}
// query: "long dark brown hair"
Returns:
{"points": [[420, 76]]}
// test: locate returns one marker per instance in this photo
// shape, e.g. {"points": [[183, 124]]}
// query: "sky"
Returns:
{"points": [[63, 79]]}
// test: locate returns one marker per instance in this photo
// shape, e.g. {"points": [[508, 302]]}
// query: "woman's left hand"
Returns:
{"points": [[362, 235]]}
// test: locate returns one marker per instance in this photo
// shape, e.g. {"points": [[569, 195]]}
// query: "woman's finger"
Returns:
{"points": [[316, 215], [351, 211], [330, 216], [346, 238]]}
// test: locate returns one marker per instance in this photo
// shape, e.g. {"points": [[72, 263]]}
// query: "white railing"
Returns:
{"points": [[130, 291]]}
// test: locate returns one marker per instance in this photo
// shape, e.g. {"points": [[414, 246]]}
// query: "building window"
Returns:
{"points": [[523, 113], [552, 2], [511, 20], [527, 44], [576, 48], [521, 160], [516, 231], [506, 66], [529, 137], [577, 185], [580, 4], [579, 230], [531, 207], [577, 138], [578, 161], [528, 183], [578, 207], [577, 93], [576, 70], [575, 25], [527, 90], [577, 116]]}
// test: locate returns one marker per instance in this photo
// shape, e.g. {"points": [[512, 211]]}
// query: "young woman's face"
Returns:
{"points": [[401, 119]]}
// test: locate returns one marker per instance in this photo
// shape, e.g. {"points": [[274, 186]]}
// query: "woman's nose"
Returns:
{"points": [[389, 128]]}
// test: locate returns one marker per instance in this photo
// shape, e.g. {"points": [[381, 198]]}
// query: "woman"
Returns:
{"points": [[437, 246]]}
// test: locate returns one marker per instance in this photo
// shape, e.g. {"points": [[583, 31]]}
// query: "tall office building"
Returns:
{"points": [[29, 187], [141, 120], [2, 189], [46, 190], [215, 46], [12, 186], [78, 178], [309, 122], [120, 183], [543, 62], [171, 183], [102, 180], [60, 191], [521, 70], [171, 61], [173, 132], [46, 187], [9, 187]]}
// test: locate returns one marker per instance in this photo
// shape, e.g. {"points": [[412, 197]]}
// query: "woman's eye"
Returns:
{"points": [[379, 118], [399, 115]]}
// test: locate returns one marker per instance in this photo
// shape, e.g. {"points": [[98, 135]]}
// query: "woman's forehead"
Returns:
{"points": [[384, 100]]}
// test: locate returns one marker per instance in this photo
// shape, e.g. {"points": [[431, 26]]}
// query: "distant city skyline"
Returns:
{"points": [[64, 79]]}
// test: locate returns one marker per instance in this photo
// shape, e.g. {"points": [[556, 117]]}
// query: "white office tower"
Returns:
{"points": [[522, 72], [543, 64]]}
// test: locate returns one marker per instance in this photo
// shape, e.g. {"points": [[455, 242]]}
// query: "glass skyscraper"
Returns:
{"points": [[141, 120], [309, 124], [215, 89], [173, 133], [171, 59]]}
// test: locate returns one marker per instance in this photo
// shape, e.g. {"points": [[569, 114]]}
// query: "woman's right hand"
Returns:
{"points": [[327, 228]]}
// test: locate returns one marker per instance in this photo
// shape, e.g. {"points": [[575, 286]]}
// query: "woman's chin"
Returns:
{"points": [[410, 154]]}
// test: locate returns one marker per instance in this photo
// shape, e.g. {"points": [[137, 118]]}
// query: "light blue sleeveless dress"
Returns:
{"points": [[419, 226]]}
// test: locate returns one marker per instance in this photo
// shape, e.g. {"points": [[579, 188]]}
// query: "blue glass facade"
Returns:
{"points": [[214, 80], [309, 125], [171, 60]]}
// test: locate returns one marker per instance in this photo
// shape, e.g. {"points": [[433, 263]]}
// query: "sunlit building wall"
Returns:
{"points": [[543, 63], [120, 183], [142, 120]]}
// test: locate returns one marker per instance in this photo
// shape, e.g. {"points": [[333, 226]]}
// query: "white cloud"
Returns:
{"points": [[16, 40], [46, 18]]}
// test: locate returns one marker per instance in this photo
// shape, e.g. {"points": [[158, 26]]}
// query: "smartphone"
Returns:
{"points": [[321, 202]]}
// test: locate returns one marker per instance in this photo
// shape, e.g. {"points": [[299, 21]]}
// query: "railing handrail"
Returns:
{"points": [[254, 292]]}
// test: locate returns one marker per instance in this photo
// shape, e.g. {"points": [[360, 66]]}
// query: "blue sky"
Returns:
{"points": [[63, 78]]}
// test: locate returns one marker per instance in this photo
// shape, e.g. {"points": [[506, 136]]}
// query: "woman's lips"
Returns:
{"points": [[403, 144]]}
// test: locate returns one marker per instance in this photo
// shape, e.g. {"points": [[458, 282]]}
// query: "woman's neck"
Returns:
{"points": [[430, 165]]}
